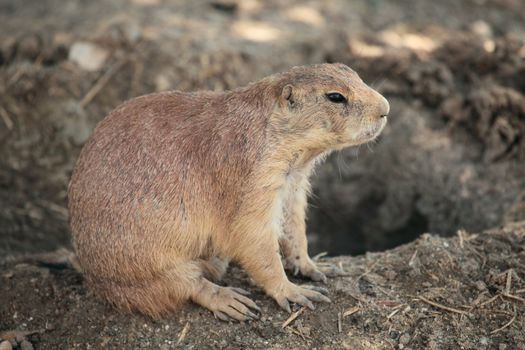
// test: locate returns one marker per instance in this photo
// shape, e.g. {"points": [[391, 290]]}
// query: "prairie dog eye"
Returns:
{"points": [[336, 97]]}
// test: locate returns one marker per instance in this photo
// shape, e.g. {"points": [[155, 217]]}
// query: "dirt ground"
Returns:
{"points": [[466, 292], [450, 158]]}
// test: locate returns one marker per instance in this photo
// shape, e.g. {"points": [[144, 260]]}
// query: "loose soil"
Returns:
{"points": [[466, 292]]}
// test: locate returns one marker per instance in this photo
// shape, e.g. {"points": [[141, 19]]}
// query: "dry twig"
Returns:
{"points": [[104, 79], [396, 310], [443, 307], [461, 234], [514, 297], [351, 311], [295, 331], [5, 117], [14, 78], [489, 301], [292, 317], [183, 333], [506, 324], [509, 281], [412, 259], [55, 207], [368, 270]]}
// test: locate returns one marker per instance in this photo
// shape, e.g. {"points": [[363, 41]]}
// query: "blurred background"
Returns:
{"points": [[451, 157]]}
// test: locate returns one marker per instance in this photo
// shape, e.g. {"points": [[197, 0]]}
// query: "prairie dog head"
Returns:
{"points": [[327, 106]]}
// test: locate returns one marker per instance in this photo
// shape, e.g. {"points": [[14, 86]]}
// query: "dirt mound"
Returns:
{"points": [[495, 115], [453, 148], [463, 292], [492, 105], [474, 82]]}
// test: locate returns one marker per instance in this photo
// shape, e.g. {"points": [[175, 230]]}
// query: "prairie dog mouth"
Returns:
{"points": [[373, 130]]}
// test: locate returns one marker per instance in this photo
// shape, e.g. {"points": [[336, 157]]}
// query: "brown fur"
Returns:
{"points": [[172, 185]]}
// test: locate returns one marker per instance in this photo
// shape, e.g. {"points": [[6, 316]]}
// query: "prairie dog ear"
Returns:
{"points": [[287, 96]]}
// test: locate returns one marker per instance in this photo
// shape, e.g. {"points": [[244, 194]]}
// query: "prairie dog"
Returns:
{"points": [[172, 186]]}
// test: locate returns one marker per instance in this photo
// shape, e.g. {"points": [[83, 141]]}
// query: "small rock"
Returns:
{"points": [[366, 287], [360, 343], [483, 340], [25, 345], [121, 30], [340, 285], [481, 286], [146, 2], [225, 5], [404, 339], [162, 83], [433, 345], [131, 32], [88, 56], [481, 28], [76, 126], [502, 346], [390, 275], [6, 345], [394, 334]]}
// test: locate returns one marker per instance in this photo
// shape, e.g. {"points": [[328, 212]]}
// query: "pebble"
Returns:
{"points": [[146, 2], [481, 28], [393, 334], [6, 345], [25, 345], [481, 286], [404, 339], [88, 56], [390, 274], [483, 340], [225, 5]]}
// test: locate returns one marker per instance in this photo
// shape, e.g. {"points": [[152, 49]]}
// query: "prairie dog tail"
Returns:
{"points": [[163, 293]]}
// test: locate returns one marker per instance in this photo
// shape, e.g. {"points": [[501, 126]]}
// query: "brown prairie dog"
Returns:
{"points": [[172, 186]]}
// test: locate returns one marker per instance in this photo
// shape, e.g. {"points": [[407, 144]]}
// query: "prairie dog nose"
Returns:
{"points": [[378, 104], [384, 107]]}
